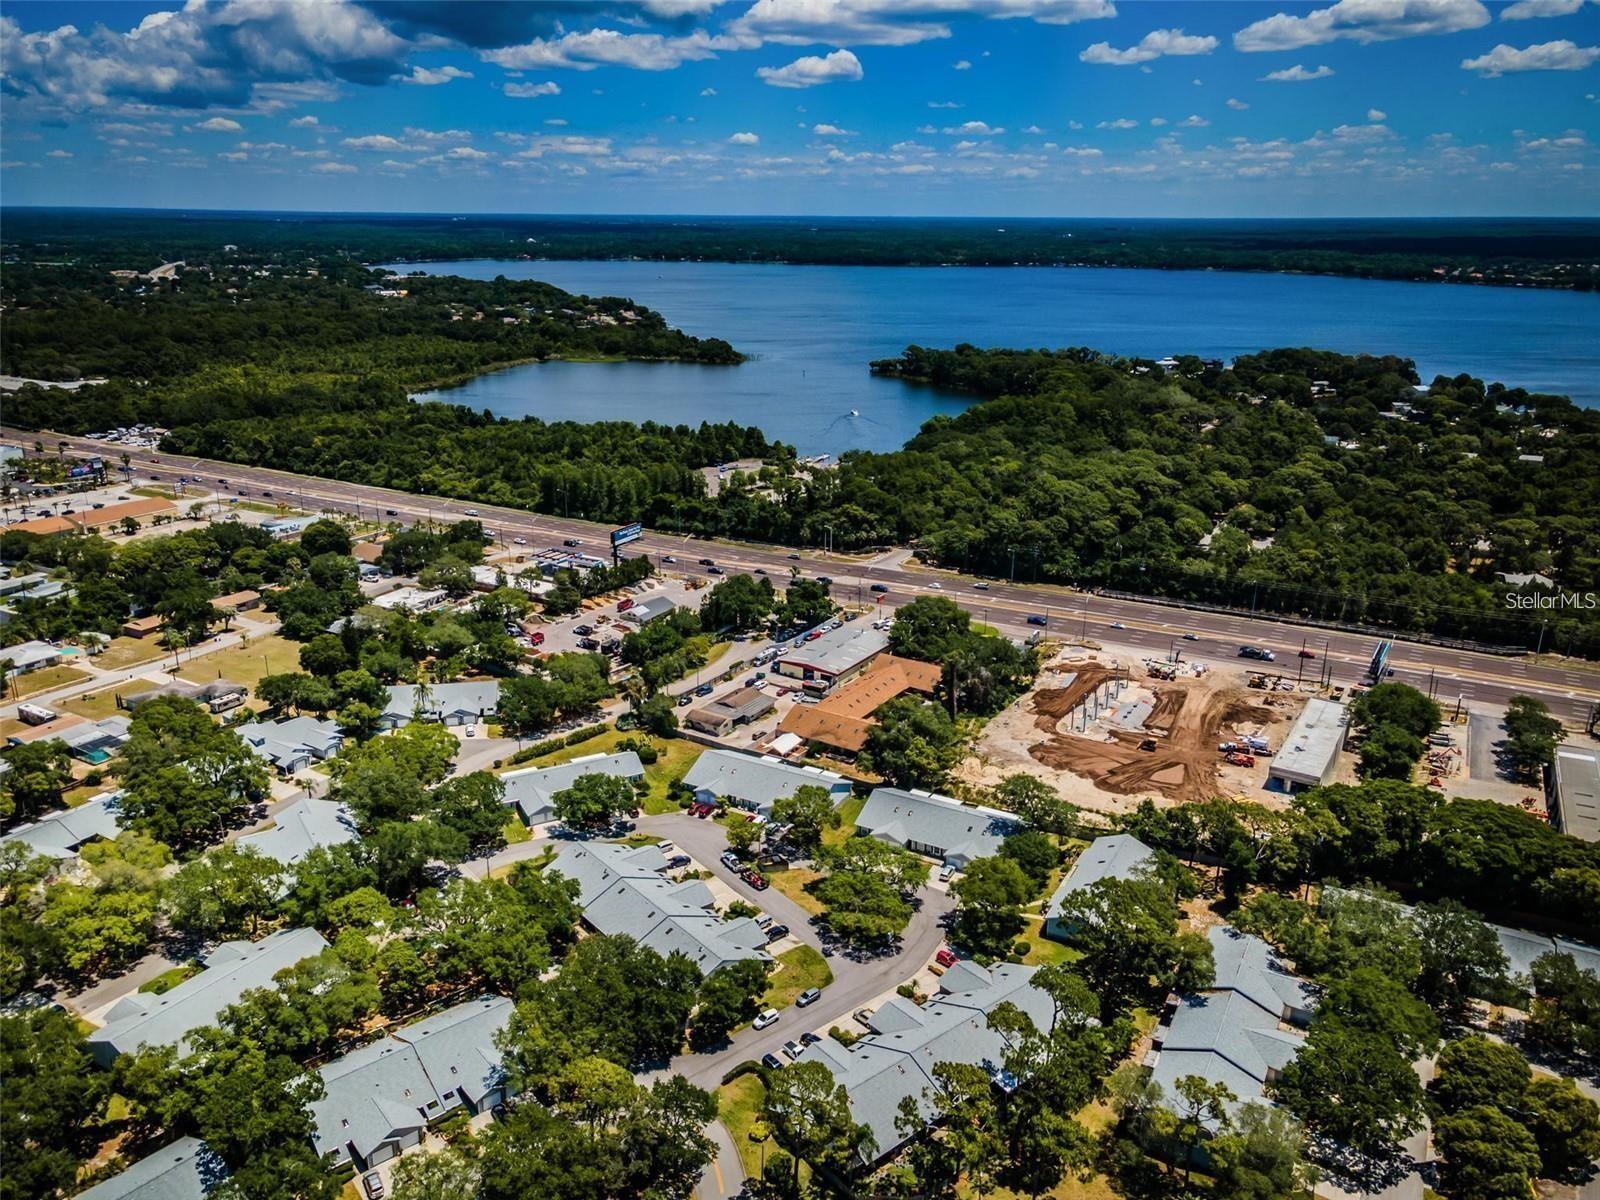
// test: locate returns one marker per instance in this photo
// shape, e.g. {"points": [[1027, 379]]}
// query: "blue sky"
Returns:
{"points": [[899, 107]]}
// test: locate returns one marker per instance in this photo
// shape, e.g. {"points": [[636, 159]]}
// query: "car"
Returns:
{"points": [[937, 586], [1308, 653], [1256, 652], [223, 482], [588, 643], [794, 556], [678, 860], [1239, 759], [761, 570], [879, 587], [810, 1039], [1118, 625], [777, 931], [372, 1182], [704, 689], [715, 571], [571, 542], [980, 586], [808, 997], [1191, 637], [470, 512], [519, 541], [946, 873], [389, 512], [768, 1018], [772, 1061], [472, 731], [946, 957], [708, 562], [583, 630], [791, 1050], [685, 700], [267, 494], [624, 604], [1036, 619], [730, 860], [536, 638], [666, 558], [826, 579]]}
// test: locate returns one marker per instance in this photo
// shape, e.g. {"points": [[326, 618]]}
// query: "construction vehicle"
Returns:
{"points": [[1238, 759]]}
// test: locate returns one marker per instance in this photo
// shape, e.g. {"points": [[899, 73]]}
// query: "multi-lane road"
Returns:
{"points": [[1451, 675]]}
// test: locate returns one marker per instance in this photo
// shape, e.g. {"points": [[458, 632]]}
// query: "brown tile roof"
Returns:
{"points": [[111, 514], [844, 719], [235, 599], [367, 552], [43, 526]]}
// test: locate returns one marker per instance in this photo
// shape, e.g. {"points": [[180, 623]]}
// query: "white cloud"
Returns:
{"points": [[555, 121], [234, 156], [894, 22], [1032, 129], [974, 129], [568, 144], [1153, 45], [307, 122], [708, 91], [430, 77], [59, 154], [465, 154], [528, 91], [219, 125], [1193, 121], [1296, 74], [943, 104], [1362, 21], [1547, 56], [1119, 123], [825, 130], [1362, 133], [1082, 152], [745, 139], [811, 70], [1522, 10], [1237, 105], [376, 141], [607, 47], [1377, 114], [395, 165], [1158, 122], [334, 168], [962, 64]]}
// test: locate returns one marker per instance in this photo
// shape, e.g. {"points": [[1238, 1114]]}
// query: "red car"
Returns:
{"points": [[946, 957], [1308, 654], [624, 604]]}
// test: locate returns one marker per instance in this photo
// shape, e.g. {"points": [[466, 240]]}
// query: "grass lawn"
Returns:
{"points": [[739, 1106], [270, 655], [1042, 951], [44, 680], [96, 705], [718, 649], [798, 969], [73, 797], [848, 812], [677, 756], [168, 980], [129, 652], [515, 831], [792, 883]]}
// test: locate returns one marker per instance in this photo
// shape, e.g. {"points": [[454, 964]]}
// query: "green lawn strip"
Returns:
{"points": [[515, 831], [676, 757], [792, 882], [798, 969], [169, 979], [739, 1106]]}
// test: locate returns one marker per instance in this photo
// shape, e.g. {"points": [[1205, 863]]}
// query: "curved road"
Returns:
{"points": [[1571, 688]]}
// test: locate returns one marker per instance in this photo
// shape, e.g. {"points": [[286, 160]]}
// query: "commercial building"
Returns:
{"points": [[287, 527], [532, 791], [379, 1100], [246, 600], [1311, 751], [188, 1169], [292, 744], [464, 703], [95, 519], [723, 715], [1119, 856], [1572, 791], [412, 599], [60, 835], [650, 609], [625, 889], [843, 720], [756, 784], [836, 657], [301, 828], [1242, 1031], [935, 826], [231, 970], [896, 1061], [30, 656]]}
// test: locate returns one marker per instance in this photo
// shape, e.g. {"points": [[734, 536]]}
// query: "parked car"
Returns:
{"points": [[777, 931], [678, 860], [625, 604], [730, 860], [772, 1061], [583, 630], [810, 1039], [768, 1018], [1240, 759], [704, 689], [685, 700], [946, 873], [372, 1182], [791, 1050], [808, 997], [588, 643], [946, 957]]}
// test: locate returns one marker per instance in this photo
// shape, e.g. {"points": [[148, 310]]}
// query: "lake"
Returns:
{"points": [[810, 332]]}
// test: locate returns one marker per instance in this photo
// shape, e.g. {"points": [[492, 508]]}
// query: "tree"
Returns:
{"points": [[1128, 932], [36, 774], [656, 716], [450, 1174], [728, 998], [1368, 999], [52, 1091], [1037, 803], [593, 801], [992, 892], [1202, 1105], [1565, 1124], [900, 869], [403, 850], [1486, 1156], [1565, 1013], [810, 1116], [742, 835], [807, 813], [1397, 705], [1352, 1086], [1262, 1156], [913, 744], [1461, 957], [225, 892], [1388, 752], [185, 780], [739, 603], [1477, 1070], [378, 791], [324, 537], [474, 806], [860, 908], [1532, 735], [806, 603], [929, 628], [488, 934], [1036, 853]]}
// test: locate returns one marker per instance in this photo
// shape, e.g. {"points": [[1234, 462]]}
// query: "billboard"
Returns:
{"points": [[628, 533]]}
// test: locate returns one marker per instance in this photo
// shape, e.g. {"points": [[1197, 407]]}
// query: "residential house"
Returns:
{"points": [[413, 599], [301, 828], [935, 826], [294, 743], [379, 1100], [30, 656], [233, 968], [60, 835], [532, 791], [464, 703], [756, 784], [187, 1169], [1119, 856]]}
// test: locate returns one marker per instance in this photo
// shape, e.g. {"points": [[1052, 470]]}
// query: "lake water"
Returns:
{"points": [[810, 332]]}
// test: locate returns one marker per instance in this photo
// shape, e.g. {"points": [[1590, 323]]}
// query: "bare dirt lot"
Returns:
{"points": [[1150, 737]]}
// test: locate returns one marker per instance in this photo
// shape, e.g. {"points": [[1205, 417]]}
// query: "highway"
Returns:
{"points": [[1453, 676]]}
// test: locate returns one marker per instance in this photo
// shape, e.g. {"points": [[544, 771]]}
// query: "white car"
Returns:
{"points": [[937, 586], [472, 731], [768, 1018], [519, 541], [470, 512]]}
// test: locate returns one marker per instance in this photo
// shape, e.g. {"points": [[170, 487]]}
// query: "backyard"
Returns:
{"points": [[270, 655]]}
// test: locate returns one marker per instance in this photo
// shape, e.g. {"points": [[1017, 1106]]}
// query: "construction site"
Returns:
{"points": [[1107, 732]]}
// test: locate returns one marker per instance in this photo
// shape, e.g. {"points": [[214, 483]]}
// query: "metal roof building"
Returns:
{"points": [[294, 744], [836, 656], [233, 968], [532, 791], [726, 713], [462, 703], [935, 826], [757, 783], [1572, 789], [1312, 748]]}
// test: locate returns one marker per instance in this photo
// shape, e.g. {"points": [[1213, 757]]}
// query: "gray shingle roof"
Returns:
{"points": [[470, 698], [301, 828], [1119, 856], [756, 782], [232, 969], [959, 832], [284, 742], [186, 1170], [59, 834], [532, 791]]}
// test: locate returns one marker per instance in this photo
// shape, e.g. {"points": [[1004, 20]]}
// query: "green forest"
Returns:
{"points": [[1522, 252]]}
